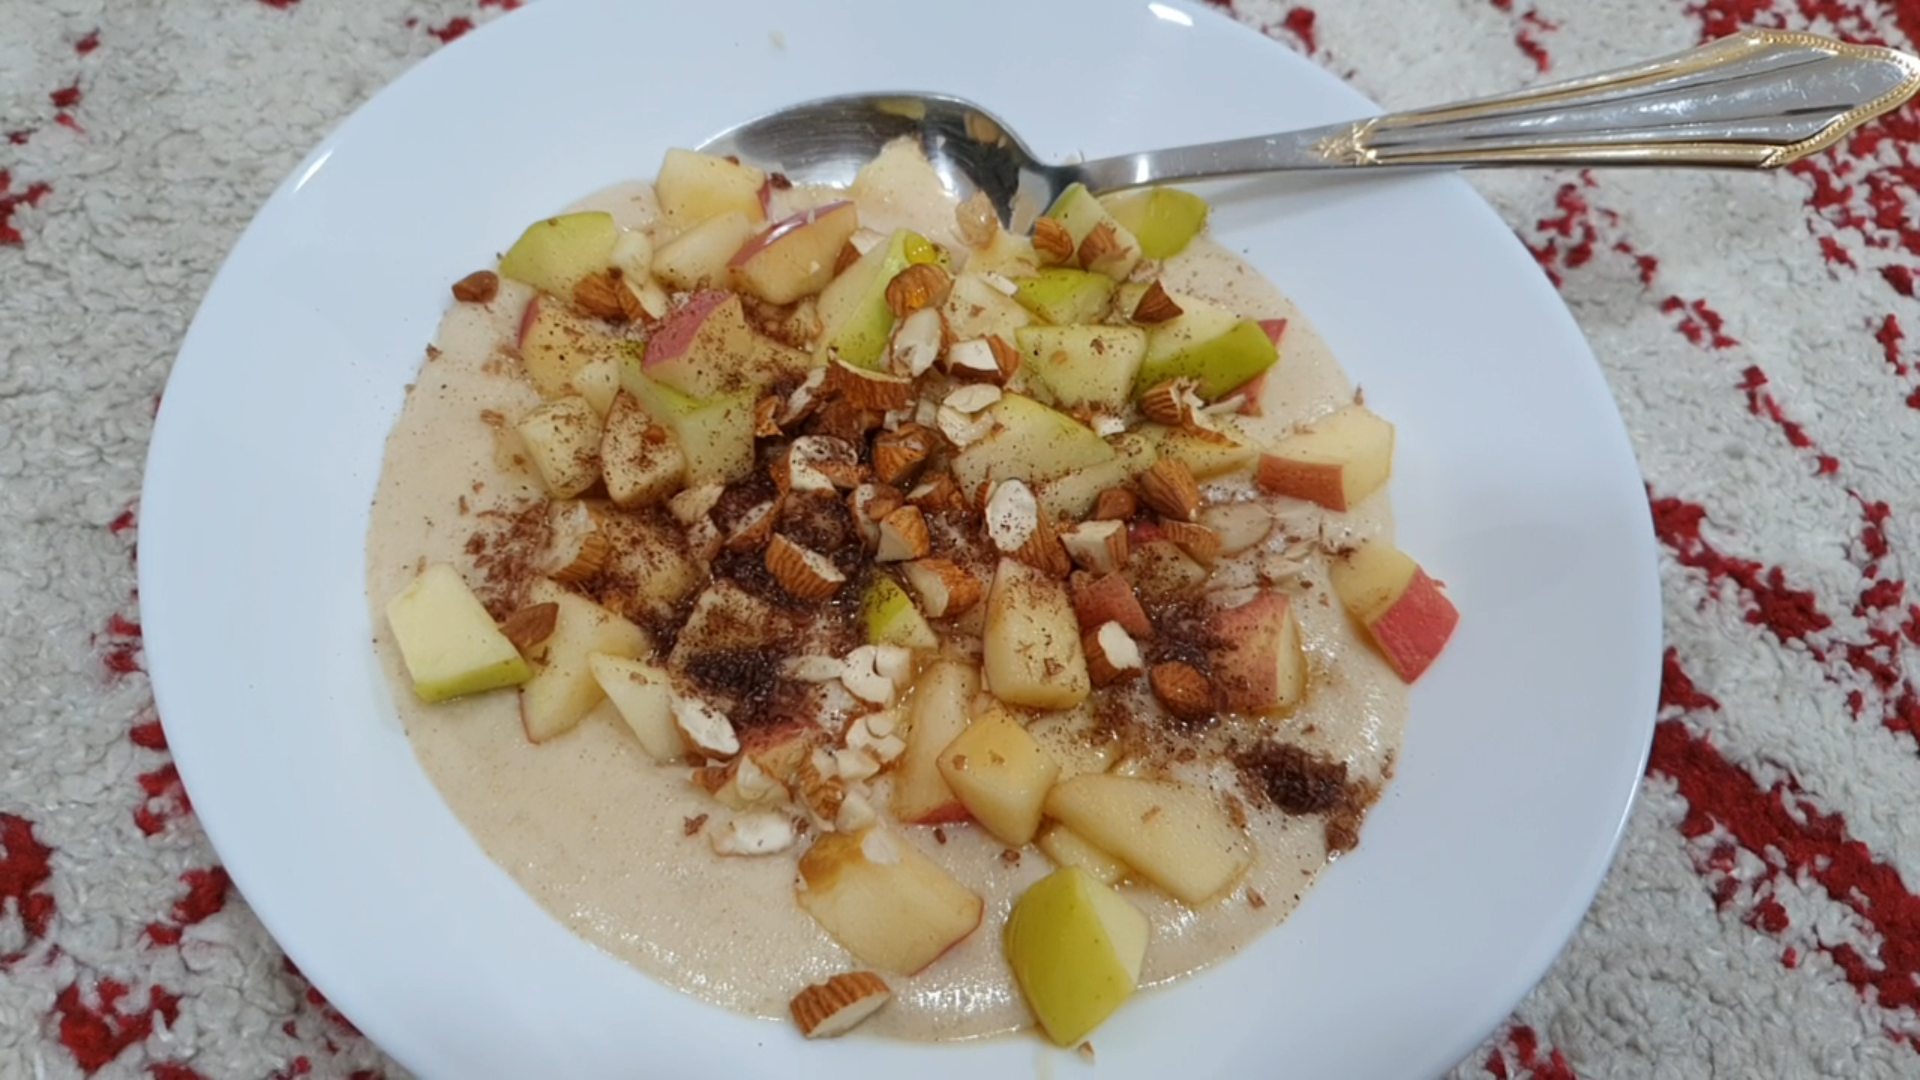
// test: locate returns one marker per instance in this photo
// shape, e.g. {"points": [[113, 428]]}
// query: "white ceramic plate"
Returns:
{"points": [[1514, 483]]}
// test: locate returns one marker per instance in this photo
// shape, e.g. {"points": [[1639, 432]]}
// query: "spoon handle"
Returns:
{"points": [[1757, 99]]}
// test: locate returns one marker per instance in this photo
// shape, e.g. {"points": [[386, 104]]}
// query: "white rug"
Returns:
{"points": [[1761, 919]]}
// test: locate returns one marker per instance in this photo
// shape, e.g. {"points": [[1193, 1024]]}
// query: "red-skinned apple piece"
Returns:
{"points": [[1403, 610], [796, 256], [1337, 462], [1109, 598], [1260, 667]]}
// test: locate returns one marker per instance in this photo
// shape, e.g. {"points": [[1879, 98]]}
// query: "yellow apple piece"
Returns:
{"points": [[1172, 834], [697, 258], [942, 700], [450, 644], [1032, 651], [1090, 366], [795, 257], [1068, 848], [563, 439], [1064, 296], [856, 323], [885, 902], [715, 434], [642, 694], [1403, 610], [1000, 774], [1258, 667], [1029, 442], [559, 350], [1206, 454], [1208, 343], [694, 187], [563, 691], [640, 460], [976, 309], [1337, 461], [892, 619], [1075, 947], [555, 253]]}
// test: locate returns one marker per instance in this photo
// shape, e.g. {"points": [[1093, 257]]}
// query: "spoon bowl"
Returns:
{"points": [[1757, 99]]}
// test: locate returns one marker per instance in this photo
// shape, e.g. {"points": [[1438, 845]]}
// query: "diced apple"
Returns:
{"points": [[716, 435], [1161, 571], [642, 694], [1338, 461], [725, 619], [855, 321], [693, 188], [1258, 667], [885, 902], [1029, 442], [1172, 834], [640, 460], [1068, 848], [1000, 774], [698, 258], [563, 691], [1032, 653], [648, 569], [563, 439], [1075, 947], [1207, 454], [1071, 496], [1164, 220], [1081, 213], [1062, 296], [942, 699], [975, 309], [1403, 610], [1090, 366], [1070, 739], [558, 348], [555, 253], [449, 643], [1209, 344], [1109, 598], [795, 257], [892, 619], [598, 380]]}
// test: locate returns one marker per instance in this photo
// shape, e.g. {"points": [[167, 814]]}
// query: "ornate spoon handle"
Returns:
{"points": [[1757, 99]]}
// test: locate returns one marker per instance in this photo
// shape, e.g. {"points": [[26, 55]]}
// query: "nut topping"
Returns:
{"points": [[1112, 655], [479, 287], [577, 549], [836, 1006], [976, 221], [1183, 690], [1170, 490], [1198, 541], [922, 285], [706, 729], [604, 295], [531, 625], [1099, 546], [1172, 403], [807, 575], [943, 588], [903, 536], [864, 389], [1155, 306], [1101, 250], [754, 832], [1115, 504], [899, 454], [1052, 242]]}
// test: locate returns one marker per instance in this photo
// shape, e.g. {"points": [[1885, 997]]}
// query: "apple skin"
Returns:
{"points": [[942, 698], [1164, 219], [1340, 460], [1109, 598], [795, 257], [1260, 668], [1402, 609], [1075, 947]]}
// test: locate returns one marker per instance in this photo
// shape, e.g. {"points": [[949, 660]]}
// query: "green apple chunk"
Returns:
{"points": [[1209, 344], [555, 253], [450, 644], [1075, 947], [1164, 220], [1081, 213], [1206, 454], [1062, 295], [1029, 442], [715, 434], [854, 317], [976, 309], [1173, 834], [892, 619], [1091, 366]]}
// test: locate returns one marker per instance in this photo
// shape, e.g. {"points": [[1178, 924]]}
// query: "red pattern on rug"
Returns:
{"points": [[98, 1031], [1519, 1058], [26, 868]]}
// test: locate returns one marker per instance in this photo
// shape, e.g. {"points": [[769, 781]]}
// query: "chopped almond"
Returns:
{"points": [[1052, 242], [903, 536], [1112, 655], [806, 574], [1170, 489], [943, 587], [1098, 546]]}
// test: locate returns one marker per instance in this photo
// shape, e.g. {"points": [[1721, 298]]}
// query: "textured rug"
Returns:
{"points": [[1761, 919]]}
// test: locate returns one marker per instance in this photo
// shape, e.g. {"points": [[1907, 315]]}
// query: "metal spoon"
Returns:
{"points": [[1757, 99]]}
